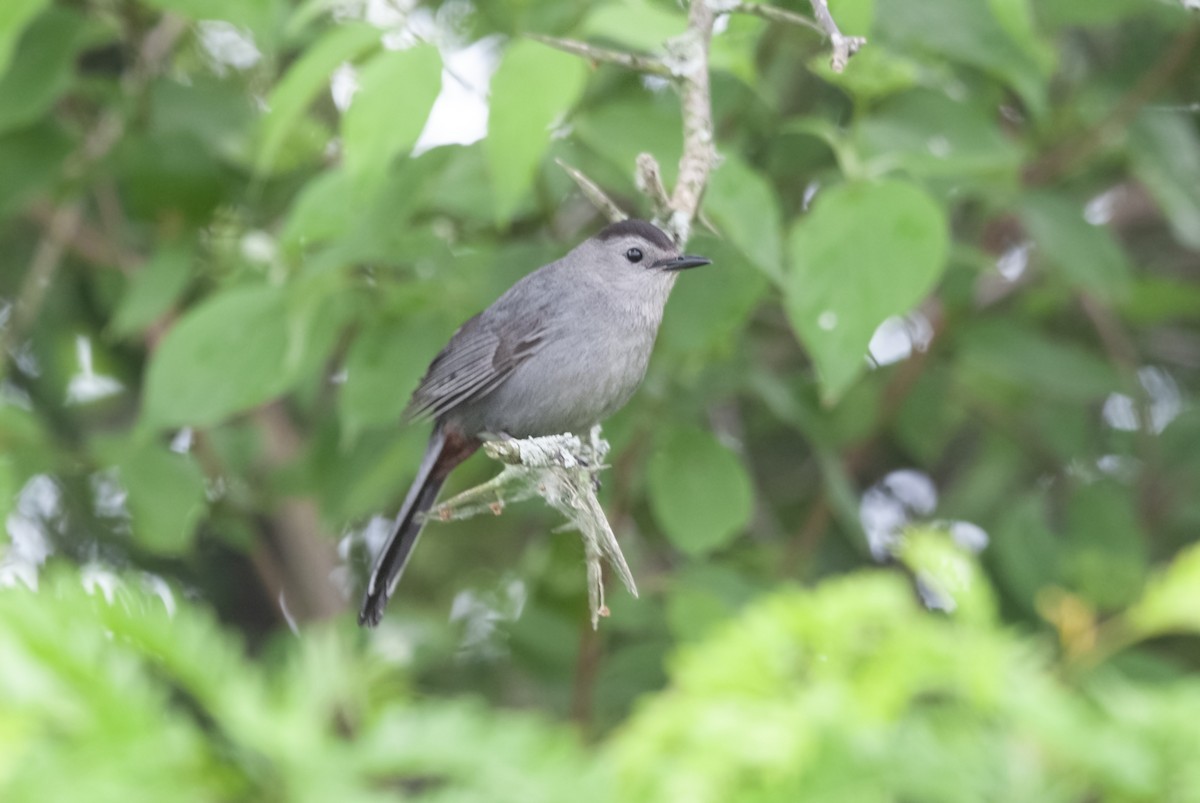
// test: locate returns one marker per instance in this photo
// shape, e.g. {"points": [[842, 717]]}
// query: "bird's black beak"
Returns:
{"points": [[681, 262]]}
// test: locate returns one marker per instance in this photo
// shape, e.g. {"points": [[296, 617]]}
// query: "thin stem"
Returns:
{"points": [[593, 193], [632, 61], [774, 14]]}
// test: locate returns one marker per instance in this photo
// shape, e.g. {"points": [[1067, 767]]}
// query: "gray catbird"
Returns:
{"points": [[563, 349]]}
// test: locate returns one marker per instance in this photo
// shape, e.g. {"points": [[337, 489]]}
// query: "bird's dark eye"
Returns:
{"points": [[634, 255]]}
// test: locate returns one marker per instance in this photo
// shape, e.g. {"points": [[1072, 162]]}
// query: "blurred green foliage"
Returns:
{"points": [[951, 326]]}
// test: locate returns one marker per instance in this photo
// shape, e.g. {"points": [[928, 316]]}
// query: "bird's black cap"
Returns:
{"points": [[637, 228]]}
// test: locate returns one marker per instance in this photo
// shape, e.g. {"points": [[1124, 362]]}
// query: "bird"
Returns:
{"points": [[560, 351]]}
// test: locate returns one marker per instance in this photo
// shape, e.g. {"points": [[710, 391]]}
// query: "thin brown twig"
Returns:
{"points": [[63, 222], [774, 14], [59, 229], [1061, 159], [648, 178], [598, 55], [89, 243], [591, 190]]}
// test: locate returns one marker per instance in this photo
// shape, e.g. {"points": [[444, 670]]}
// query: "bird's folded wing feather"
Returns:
{"points": [[478, 358]]}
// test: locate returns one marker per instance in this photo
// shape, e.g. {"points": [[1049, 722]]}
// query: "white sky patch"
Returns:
{"points": [[38, 501], [898, 337], [1164, 403], [343, 84], [460, 113], [1013, 262], [810, 192], [890, 504], [227, 45], [1099, 210], [87, 386]]}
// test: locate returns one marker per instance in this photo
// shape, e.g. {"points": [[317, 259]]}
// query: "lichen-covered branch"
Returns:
{"points": [[562, 470], [689, 54]]}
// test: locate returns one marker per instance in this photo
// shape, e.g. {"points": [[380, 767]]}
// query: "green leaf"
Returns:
{"points": [[699, 491], [948, 575], [1092, 12], [42, 67], [1107, 561], [928, 134], [631, 124], [1013, 354], [854, 17], [709, 308], [1171, 601], [15, 15], [257, 15], [1088, 256], [397, 89], [533, 88], [1025, 552], [166, 497], [635, 24], [1165, 151], [875, 72], [230, 353], [866, 252], [30, 160], [383, 367], [972, 34], [743, 205], [154, 288], [171, 173], [304, 79]]}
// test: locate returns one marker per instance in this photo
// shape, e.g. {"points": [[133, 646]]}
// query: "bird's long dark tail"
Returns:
{"points": [[444, 452]]}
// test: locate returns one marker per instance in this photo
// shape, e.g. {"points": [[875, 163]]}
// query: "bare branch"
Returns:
{"points": [[593, 193], [60, 229], [773, 14], [63, 221], [633, 61], [843, 46], [648, 178]]}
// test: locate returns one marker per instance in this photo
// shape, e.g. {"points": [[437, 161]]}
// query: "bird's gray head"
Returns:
{"points": [[633, 250]]}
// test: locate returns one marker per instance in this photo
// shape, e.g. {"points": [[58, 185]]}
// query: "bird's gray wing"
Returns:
{"points": [[478, 358]]}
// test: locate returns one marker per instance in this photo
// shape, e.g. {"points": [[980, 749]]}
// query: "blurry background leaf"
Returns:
{"points": [[16, 15], [42, 67], [637, 24], [1166, 157], [1086, 254], [865, 252], [153, 289], [308, 76], [743, 203], [533, 89], [225, 356], [1003, 43], [396, 91], [699, 491]]}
